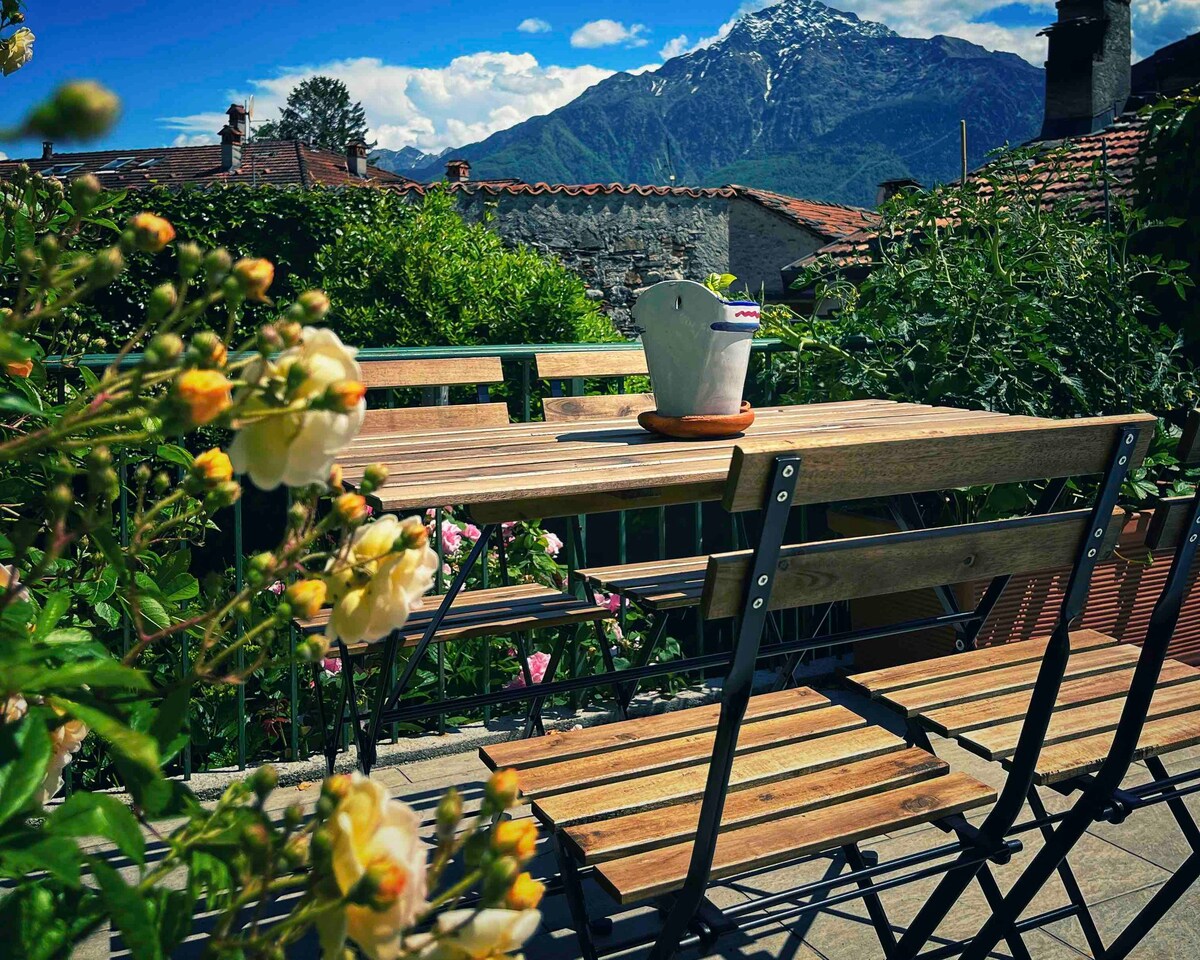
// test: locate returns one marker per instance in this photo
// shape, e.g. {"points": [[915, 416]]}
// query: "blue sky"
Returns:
{"points": [[432, 73]]}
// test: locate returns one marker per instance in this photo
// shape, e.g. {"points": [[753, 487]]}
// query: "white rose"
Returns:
{"points": [[16, 51], [297, 449], [481, 935], [65, 741], [370, 831], [374, 586], [13, 708]]}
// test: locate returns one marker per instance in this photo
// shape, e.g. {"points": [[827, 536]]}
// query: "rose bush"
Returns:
{"points": [[70, 453]]}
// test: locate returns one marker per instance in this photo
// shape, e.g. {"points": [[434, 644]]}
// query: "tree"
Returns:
{"points": [[319, 112]]}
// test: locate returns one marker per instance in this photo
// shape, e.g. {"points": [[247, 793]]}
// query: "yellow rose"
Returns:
{"points": [[481, 934], [515, 838], [299, 448], [378, 582], [351, 508], [151, 232], [255, 277], [20, 369], [205, 393], [525, 893], [213, 466], [307, 597], [345, 395], [373, 834], [502, 788], [16, 51]]}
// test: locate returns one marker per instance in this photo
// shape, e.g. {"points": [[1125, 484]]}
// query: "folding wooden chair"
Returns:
{"points": [[573, 368], [514, 610], [1117, 707], [657, 809]]}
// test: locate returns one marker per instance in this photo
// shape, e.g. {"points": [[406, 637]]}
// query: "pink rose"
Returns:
{"points": [[551, 543], [332, 666], [451, 538], [610, 601], [471, 532], [506, 531], [277, 587], [538, 662]]}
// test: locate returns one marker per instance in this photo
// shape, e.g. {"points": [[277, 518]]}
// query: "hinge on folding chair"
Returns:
{"points": [[997, 851]]}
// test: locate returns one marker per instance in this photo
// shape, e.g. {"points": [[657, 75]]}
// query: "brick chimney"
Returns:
{"points": [[1087, 68], [356, 158], [889, 188], [458, 171], [232, 136], [47, 149]]}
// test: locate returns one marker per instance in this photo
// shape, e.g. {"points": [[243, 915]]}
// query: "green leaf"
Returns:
{"points": [[168, 728], [174, 911], [55, 606], [31, 851], [138, 748], [86, 814], [174, 454], [98, 674], [24, 754], [129, 911], [68, 635], [14, 403], [153, 610]]}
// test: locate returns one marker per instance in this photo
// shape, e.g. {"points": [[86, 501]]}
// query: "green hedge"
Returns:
{"points": [[399, 271]]}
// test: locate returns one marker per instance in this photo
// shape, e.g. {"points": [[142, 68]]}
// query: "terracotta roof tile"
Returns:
{"points": [[826, 219], [276, 162]]}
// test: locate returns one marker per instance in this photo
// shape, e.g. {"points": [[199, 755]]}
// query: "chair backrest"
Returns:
{"points": [[480, 372], [576, 366]]}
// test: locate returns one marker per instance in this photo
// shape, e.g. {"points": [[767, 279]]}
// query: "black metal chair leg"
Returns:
{"points": [[879, 917], [533, 717], [1066, 875], [1175, 803], [649, 643], [573, 891], [328, 741], [995, 900]]}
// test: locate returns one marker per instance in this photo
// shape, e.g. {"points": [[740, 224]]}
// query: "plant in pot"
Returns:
{"points": [[698, 351]]}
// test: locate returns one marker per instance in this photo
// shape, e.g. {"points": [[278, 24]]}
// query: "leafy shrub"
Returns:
{"points": [[398, 271], [988, 296]]}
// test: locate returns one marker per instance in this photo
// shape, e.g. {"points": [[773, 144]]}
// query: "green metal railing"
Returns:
{"points": [[522, 387]]}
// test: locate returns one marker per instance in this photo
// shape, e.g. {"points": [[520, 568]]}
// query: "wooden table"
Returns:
{"points": [[537, 470]]}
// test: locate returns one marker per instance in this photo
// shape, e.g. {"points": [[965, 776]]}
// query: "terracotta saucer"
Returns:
{"points": [[698, 427]]}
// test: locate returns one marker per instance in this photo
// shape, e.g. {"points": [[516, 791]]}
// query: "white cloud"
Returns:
{"points": [[430, 108], [607, 33], [675, 46], [1159, 22], [533, 25], [3, 155]]}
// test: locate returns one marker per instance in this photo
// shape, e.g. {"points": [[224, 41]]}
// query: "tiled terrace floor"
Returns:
{"points": [[1118, 867]]}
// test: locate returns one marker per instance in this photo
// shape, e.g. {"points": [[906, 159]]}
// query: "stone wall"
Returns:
{"points": [[617, 243], [761, 244]]}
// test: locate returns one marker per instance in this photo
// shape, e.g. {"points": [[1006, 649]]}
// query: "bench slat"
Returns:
{"points": [[999, 741], [831, 570], [667, 790], [659, 872], [618, 766], [459, 371], [591, 363], [876, 682], [630, 835], [951, 721], [605, 407], [391, 420], [661, 726], [992, 683], [1085, 754], [840, 466]]}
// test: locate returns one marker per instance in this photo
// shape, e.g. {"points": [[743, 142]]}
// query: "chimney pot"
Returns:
{"points": [[356, 158], [458, 171], [231, 148], [889, 188], [237, 118], [47, 149], [1087, 67]]}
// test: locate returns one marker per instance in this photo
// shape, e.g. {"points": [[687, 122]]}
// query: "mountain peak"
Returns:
{"points": [[809, 19]]}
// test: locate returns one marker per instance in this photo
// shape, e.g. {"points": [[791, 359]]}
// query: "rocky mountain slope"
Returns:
{"points": [[799, 98]]}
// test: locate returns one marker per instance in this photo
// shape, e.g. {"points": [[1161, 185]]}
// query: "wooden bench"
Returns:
{"points": [[510, 610], [1117, 704], [666, 805], [576, 366]]}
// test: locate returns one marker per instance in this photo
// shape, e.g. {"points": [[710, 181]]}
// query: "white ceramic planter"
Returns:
{"points": [[697, 347]]}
